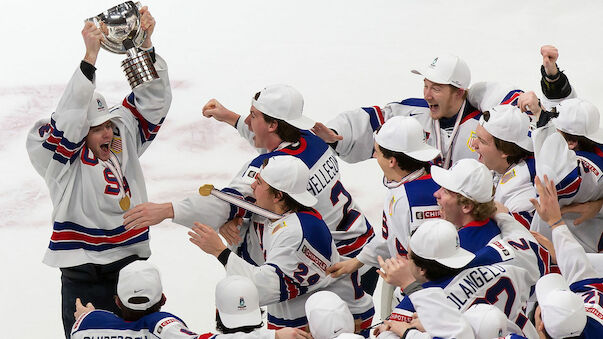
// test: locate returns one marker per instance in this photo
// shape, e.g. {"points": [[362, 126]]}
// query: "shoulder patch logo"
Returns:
{"points": [[391, 206], [472, 136], [278, 227], [508, 176]]}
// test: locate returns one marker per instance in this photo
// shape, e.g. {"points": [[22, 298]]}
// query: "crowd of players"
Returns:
{"points": [[491, 223]]}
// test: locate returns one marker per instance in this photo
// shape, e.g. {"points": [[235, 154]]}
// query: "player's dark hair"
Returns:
{"points": [[289, 203], [480, 210], [284, 130], [433, 269], [225, 330], [514, 153], [405, 162], [584, 143], [129, 314]]}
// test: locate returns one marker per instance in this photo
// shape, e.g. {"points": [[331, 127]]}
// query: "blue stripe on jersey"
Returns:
{"points": [[416, 102], [420, 193], [531, 162], [73, 245], [71, 226], [592, 330], [243, 250], [406, 304], [485, 256], [289, 288], [474, 238], [595, 158], [314, 149], [510, 95], [373, 117], [280, 322], [316, 233], [568, 187], [100, 319], [582, 285]]}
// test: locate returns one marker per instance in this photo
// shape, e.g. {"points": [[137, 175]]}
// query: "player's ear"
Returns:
{"points": [[272, 126], [163, 299], [118, 302]]}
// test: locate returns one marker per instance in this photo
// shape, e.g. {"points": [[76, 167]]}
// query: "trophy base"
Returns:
{"points": [[139, 69]]}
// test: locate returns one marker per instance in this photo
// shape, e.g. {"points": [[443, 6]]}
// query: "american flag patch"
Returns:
{"points": [[116, 144]]}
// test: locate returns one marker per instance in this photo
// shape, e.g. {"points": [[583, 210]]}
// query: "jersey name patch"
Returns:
{"points": [[425, 212], [505, 252]]}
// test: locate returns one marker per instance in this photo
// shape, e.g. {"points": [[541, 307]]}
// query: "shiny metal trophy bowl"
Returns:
{"points": [[122, 34]]}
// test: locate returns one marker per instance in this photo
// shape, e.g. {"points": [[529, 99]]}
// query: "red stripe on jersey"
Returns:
{"points": [[477, 223], [144, 124], [361, 241], [313, 212], [64, 152], [425, 177], [53, 140], [206, 335], [302, 147], [379, 115], [91, 239], [571, 188], [470, 116], [366, 324], [512, 98], [525, 222]]}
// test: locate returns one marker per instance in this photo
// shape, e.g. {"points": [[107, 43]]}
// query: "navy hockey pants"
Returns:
{"points": [[92, 283]]}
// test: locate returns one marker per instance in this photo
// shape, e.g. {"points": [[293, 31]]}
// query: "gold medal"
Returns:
{"points": [[124, 203]]}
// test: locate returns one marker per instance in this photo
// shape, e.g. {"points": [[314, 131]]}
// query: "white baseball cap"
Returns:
{"points": [[328, 315], [289, 174], [508, 123], [98, 112], [562, 311], [555, 159], [579, 117], [405, 134], [238, 302], [486, 320], [447, 69], [468, 177], [438, 240], [139, 279], [285, 103]]}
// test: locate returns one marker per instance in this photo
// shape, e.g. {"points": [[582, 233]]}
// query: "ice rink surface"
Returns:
{"points": [[339, 54]]}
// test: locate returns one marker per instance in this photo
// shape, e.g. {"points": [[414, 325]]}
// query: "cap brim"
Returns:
{"points": [[239, 320], [426, 153], [101, 119], [443, 178], [549, 283], [302, 122], [306, 198], [597, 136], [427, 75], [460, 259]]}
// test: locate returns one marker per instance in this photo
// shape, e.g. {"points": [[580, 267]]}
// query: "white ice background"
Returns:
{"points": [[339, 54]]}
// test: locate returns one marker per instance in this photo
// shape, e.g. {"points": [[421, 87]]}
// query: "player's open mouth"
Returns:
{"points": [[105, 147], [433, 108]]}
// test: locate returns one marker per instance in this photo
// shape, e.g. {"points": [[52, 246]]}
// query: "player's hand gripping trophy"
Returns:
{"points": [[123, 33]]}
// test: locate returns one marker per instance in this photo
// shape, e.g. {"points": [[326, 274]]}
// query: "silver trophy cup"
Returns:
{"points": [[122, 34]]}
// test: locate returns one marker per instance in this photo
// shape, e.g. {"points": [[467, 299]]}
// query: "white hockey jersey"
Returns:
{"points": [[407, 205], [582, 278], [357, 127], [162, 325], [581, 185], [298, 249], [504, 286], [439, 318], [87, 219], [104, 324], [349, 227], [515, 188]]}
